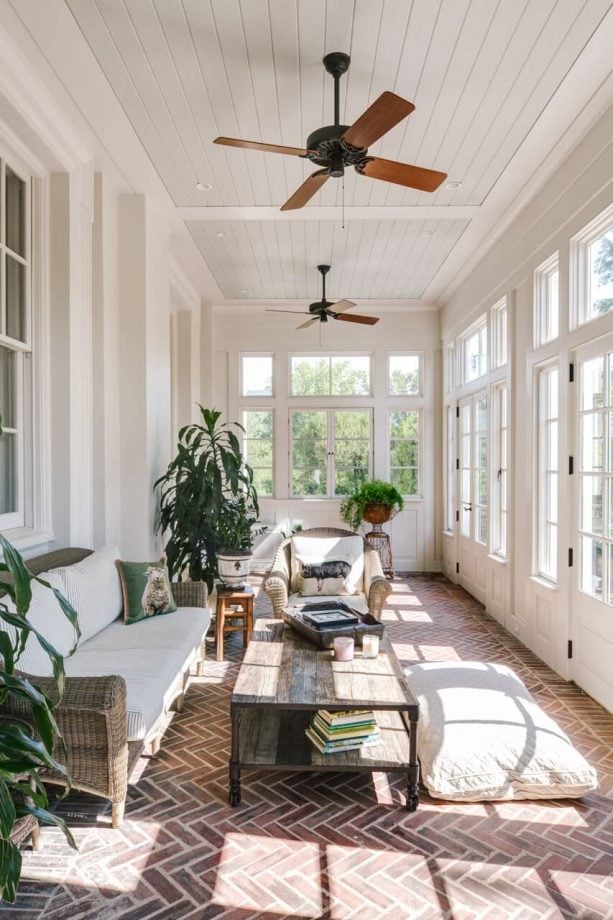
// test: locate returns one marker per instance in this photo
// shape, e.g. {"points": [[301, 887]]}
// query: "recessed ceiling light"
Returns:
{"points": [[222, 235], [453, 185], [244, 291], [429, 232], [204, 186]]}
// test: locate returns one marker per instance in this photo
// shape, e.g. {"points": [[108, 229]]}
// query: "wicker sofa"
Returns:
{"points": [[107, 715], [374, 589]]}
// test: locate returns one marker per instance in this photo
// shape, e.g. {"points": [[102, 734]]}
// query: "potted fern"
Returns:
{"points": [[374, 501]]}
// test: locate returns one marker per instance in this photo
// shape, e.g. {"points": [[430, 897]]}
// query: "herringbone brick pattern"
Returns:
{"points": [[335, 846]]}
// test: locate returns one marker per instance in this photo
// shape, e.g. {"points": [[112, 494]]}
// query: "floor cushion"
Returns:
{"points": [[482, 736], [151, 656]]}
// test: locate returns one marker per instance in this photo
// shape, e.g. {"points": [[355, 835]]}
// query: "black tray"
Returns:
{"points": [[324, 638]]}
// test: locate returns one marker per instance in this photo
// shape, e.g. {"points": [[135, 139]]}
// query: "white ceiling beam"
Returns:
{"points": [[425, 212]]}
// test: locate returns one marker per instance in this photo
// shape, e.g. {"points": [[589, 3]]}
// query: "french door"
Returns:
{"points": [[592, 571], [473, 494]]}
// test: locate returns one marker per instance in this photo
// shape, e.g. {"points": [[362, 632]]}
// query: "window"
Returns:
{"points": [[256, 375], [480, 468], [547, 484], [404, 375], [404, 451], [499, 326], [258, 447], [592, 269], [330, 375], [546, 302], [14, 341], [450, 465], [596, 478], [474, 352], [331, 450], [500, 505]]}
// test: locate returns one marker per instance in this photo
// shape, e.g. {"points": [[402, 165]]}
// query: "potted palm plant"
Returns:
{"points": [[208, 503], [374, 501]]}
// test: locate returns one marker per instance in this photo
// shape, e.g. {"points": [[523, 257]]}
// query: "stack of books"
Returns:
{"points": [[349, 730]]}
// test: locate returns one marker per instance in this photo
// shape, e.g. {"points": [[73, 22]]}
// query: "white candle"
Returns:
{"points": [[370, 646]]}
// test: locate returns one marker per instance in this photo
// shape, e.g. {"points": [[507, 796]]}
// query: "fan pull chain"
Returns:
{"points": [[343, 202]]}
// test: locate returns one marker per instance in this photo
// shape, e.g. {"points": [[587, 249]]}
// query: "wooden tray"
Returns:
{"points": [[324, 638]]}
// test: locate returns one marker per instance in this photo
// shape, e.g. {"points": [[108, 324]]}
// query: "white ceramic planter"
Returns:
{"points": [[233, 568]]}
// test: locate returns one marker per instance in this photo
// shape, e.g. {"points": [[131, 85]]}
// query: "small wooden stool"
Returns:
{"points": [[233, 603]]}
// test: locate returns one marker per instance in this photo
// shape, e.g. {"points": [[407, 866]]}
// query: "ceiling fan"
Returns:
{"points": [[336, 146], [322, 309]]}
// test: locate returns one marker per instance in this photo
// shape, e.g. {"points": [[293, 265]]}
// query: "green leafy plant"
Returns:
{"points": [[208, 502], [24, 748], [373, 492]]}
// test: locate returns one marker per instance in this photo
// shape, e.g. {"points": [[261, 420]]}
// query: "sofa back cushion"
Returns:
{"points": [[46, 615], [93, 588], [327, 565]]}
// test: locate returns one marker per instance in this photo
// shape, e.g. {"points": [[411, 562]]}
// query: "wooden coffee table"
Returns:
{"points": [[284, 678]]}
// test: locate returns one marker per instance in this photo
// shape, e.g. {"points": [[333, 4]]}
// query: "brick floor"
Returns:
{"points": [[330, 845]]}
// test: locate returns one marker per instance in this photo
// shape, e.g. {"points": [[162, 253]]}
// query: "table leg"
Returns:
{"points": [[219, 616], [413, 771], [234, 796]]}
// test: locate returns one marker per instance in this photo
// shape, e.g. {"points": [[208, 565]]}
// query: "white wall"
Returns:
{"points": [[414, 542], [539, 614]]}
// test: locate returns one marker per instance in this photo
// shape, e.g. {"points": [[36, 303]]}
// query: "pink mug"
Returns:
{"points": [[343, 648]]}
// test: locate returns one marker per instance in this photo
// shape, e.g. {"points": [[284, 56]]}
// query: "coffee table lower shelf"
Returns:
{"points": [[275, 739]]}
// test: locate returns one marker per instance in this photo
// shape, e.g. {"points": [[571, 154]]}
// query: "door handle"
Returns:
{"points": [[467, 506]]}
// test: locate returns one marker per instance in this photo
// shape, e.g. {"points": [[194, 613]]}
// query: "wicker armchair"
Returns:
{"points": [[277, 583], [92, 714]]}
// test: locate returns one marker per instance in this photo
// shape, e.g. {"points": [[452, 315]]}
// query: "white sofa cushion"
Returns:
{"points": [[47, 616], [151, 656], [93, 588], [482, 736], [310, 550]]}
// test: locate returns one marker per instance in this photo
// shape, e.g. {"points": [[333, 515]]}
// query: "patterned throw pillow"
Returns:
{"points": [[146, 590], [327, 566], [325, 578]]}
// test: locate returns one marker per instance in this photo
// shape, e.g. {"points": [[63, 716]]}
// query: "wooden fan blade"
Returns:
{"points": [[341, 305], [377, 120], [306, 191], [426, 180], [256, 145], [309, 322], [356, 318]]}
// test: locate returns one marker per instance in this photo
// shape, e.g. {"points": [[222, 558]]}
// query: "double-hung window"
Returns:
{"points": [[258, 427], [14, 343], [404, 439]]}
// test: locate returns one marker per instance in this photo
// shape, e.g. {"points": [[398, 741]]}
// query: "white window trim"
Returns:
{"points": [[579, 281], [420, 492], [499, 315], [449, 483], [256, 354], [421, 371], [331, 468], [353, 353], [541, 305]]}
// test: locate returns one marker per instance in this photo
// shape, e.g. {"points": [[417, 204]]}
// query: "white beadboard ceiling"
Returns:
{"points": [[480, 73]]}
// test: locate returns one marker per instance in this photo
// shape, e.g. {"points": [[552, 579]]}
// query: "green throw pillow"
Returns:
{"points": [[146, 590]]}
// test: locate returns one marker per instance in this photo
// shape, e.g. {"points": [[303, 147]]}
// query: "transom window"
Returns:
{"points": [[330, 375], [546, 301], [500, 317], [258, 448], [257, 375], [404, 437], [331, 451], [404, 375], [596, 477], [592, 269], [474, 352]]}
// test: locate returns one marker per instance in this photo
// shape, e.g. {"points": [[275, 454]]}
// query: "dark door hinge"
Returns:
{"points": [[457, 515], [457, 411], [457, 463], [571, 466], [571, 373], [570, 557], [570, 649], [457, 568]]}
